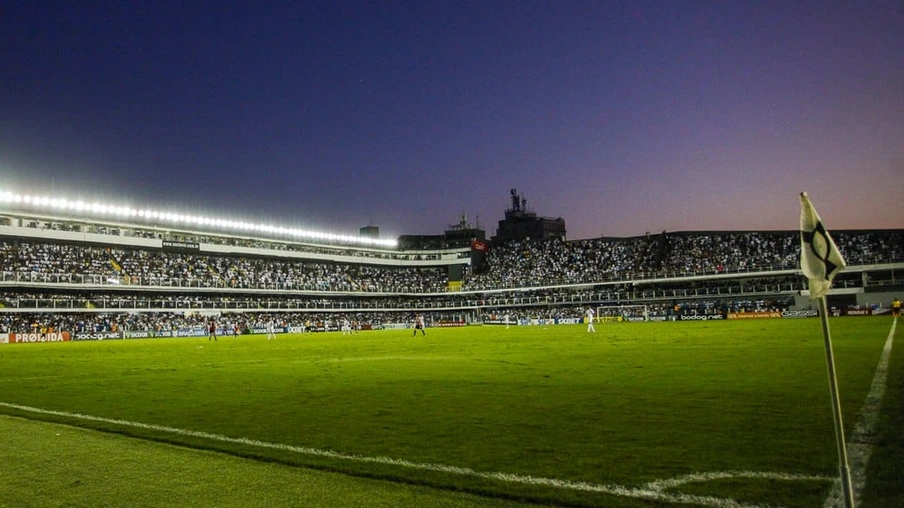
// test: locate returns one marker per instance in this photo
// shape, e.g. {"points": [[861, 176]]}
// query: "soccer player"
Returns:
{"points": [[588, 316], [506, 320], [270, 333], [212, 331], [419, 325], [896, 307]]}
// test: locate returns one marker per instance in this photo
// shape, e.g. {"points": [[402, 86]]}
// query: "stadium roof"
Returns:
{"points": [[145, 216]]}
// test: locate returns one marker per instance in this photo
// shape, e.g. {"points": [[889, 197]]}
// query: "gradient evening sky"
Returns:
{"points": [[621, 117]]}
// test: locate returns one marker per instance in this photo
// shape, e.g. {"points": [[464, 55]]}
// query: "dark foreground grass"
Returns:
{"points": [[55, 465], [885, 472], [632, 404]]}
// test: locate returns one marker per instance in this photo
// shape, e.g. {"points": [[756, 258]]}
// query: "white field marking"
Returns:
{"points": [[861, 442], [671, 483], [653, 491]]}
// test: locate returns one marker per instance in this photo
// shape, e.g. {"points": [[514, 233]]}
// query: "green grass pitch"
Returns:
{"points": [[542, 414]]}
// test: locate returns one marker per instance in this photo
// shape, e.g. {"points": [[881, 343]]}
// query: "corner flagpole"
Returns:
{"points": [[820, 261], [844, 468]]}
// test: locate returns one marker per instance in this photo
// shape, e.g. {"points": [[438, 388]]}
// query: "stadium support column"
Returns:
{"points": [[454, 276]]}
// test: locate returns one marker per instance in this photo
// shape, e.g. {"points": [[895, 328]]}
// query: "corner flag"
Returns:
{"points": [[819, 257], [820, 261]]}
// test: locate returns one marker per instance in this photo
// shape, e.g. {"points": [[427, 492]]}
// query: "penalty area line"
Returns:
{"points": [[653, 491]]}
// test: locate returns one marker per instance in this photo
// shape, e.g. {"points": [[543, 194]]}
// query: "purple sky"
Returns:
{"points": [[621, 117]]}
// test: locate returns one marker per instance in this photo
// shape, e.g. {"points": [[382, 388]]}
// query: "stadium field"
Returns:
{"points": [[635, 415]]}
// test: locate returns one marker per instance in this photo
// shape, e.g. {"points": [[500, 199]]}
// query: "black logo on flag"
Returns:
{"points": [[820, 245]]}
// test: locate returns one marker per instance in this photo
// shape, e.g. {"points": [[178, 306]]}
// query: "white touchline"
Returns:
{"points": [[861, 441]]}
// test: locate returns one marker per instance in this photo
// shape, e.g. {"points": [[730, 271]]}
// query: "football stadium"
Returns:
{"points": [[156, 358]]}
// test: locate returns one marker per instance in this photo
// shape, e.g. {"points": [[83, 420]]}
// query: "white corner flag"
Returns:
{"points": [[820, 261], [819, 257]]}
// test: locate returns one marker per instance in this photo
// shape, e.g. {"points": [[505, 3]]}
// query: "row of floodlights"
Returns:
{"points": [[127, 212]]}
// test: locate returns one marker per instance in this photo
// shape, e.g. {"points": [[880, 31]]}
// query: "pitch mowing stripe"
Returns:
{"points": [[861, 442], [653, 491]]}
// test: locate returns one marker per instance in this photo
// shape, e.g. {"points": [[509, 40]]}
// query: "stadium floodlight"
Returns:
{"points": [[168, 216]]}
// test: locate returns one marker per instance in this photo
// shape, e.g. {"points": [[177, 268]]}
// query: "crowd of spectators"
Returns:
{"points": [[714, 253], [164, 268], [248, 322], [200, 301], [634, 277], [53, 258], [256, 322], [551, 262], [512, 265], [531, 263], [757, 251], [609, 294]]}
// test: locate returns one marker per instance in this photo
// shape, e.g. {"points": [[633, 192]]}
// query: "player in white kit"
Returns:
{"points": [[588, 316]]}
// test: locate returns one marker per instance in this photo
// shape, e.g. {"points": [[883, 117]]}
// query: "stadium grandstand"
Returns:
{"points": [[92, 269]]}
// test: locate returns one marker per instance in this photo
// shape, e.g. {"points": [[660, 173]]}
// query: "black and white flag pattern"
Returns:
{"points": [[820, 259]]}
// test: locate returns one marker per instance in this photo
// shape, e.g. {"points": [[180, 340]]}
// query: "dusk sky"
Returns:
{"points": [[621, 117]]}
